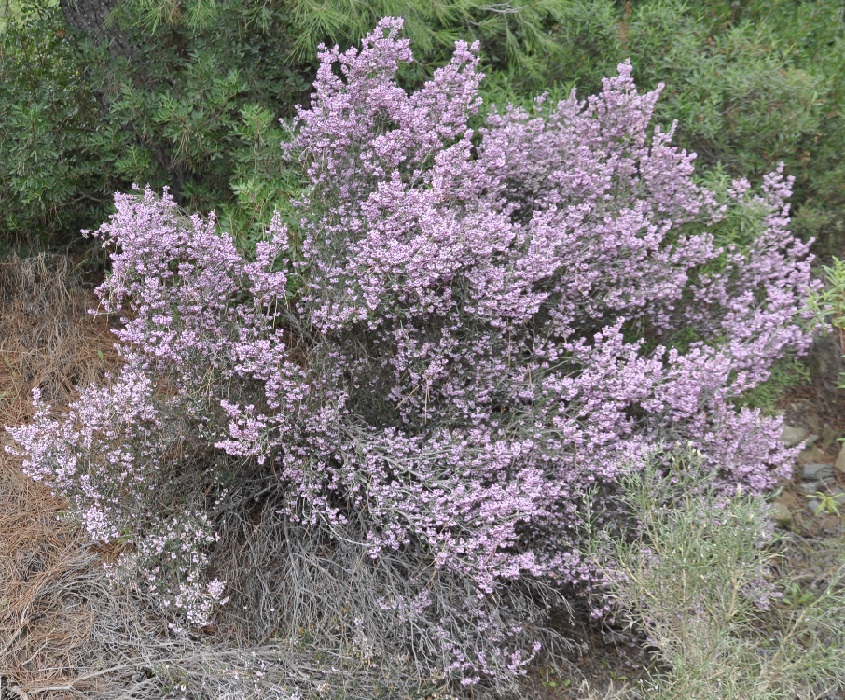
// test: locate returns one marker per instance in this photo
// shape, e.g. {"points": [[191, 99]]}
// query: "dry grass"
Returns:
{"points": [[47, 338], [48, 575], [66, 629]]}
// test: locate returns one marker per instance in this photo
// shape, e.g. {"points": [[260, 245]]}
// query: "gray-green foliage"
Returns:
{"points": [[828, 306], [697, 585], [828, 303]]}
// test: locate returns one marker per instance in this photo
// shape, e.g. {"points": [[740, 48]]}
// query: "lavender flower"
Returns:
{"points": [[488, 325]]}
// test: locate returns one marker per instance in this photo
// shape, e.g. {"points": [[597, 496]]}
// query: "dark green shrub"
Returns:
{"points": [[187, 109], [53, 171], [195, 103], [751, 86]]}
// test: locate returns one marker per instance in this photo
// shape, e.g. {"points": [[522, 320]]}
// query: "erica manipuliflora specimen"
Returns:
{"points": [[478, 326]]}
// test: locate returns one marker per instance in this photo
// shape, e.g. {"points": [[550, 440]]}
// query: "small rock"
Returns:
{"points": [[817, 472], [780, 514], [840, 460], [828, 437], [793, 435], [812, 454], [808, 488], [815, 506]]}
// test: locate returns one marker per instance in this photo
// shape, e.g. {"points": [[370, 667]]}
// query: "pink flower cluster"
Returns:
{"points": [[511, 315], [480, 326], [194, 313]]}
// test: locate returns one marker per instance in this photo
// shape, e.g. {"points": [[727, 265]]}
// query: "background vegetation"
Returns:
{"points": [[195, 103]]}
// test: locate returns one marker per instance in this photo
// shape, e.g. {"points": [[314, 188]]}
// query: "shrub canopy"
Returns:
{"points": [[470, 330]]}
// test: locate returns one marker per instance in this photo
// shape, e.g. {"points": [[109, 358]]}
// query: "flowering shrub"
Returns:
{"points": [[515, 314], [478, 327], [129, 454]]}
